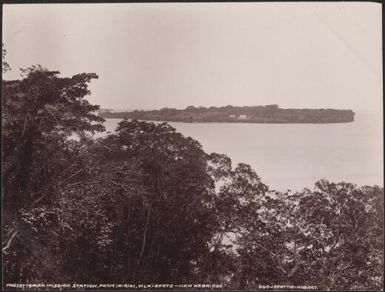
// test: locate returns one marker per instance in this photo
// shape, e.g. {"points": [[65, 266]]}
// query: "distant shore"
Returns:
{"points": [[269, 114], [224, 122]]}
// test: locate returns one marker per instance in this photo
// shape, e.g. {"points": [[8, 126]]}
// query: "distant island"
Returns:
{"points": [[236, 114]]}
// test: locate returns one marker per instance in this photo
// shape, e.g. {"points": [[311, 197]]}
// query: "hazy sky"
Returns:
{"points": [[150, 56]]}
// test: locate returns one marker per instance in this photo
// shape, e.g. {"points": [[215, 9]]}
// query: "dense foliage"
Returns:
{"points": [[237, 114], [147, 205]]}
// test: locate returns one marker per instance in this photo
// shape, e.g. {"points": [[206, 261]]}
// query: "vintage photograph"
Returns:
{"points": [[192, 146]]}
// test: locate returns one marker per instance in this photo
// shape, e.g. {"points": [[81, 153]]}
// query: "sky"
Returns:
{"points": [[155, 55]]}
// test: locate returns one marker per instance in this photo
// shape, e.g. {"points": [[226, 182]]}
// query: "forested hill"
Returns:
{"points": [[236, 114]]}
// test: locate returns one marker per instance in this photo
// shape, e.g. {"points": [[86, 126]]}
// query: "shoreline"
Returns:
{"points": [[229, 122]]}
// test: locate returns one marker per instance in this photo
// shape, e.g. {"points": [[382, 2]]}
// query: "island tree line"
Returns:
{"points": [[236, 114], [146, 204]]}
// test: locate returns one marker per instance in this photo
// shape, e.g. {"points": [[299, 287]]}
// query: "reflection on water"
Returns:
{"points": [[293, 156]]}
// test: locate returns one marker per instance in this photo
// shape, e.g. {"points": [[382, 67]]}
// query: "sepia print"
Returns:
{"points": [[192, 146]]}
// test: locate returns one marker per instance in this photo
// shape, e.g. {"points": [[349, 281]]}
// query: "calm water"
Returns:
{"points": [[294, 156]]}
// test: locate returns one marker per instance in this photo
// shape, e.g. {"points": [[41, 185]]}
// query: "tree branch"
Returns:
{"points": [[274, 256], [143, 243], [9, 243], [296, 264]]}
